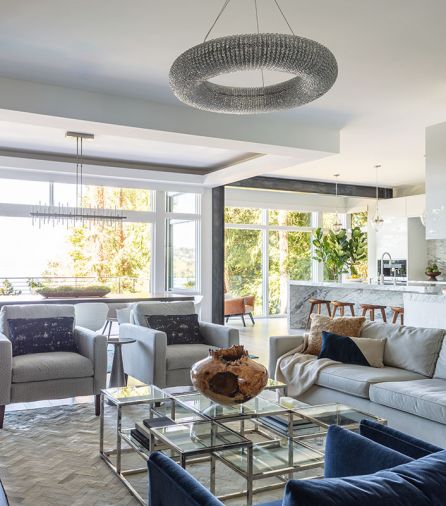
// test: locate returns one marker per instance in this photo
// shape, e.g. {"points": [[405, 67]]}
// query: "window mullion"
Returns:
{"points": [[265, 263]]}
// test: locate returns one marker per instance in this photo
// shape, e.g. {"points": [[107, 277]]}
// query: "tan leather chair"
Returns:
{"points": [[240, 306]]}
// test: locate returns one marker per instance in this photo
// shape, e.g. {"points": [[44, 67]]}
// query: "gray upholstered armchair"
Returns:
{"points": [[51, 375], [151, 360]]}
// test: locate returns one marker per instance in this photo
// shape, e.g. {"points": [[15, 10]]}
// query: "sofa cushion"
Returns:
{"points": [[179, 356], [426, 398], [356, 379], [14, 311], [353, 350], [440, 368], [412, 348], [50, 366], [179, 329], [348, 326], [421, 482], [41, 335], [142, 309]]}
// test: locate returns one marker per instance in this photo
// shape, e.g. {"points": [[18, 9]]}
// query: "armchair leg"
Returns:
{"points": [[252, 318], [243, 320], [2, 415], [97, 405]]}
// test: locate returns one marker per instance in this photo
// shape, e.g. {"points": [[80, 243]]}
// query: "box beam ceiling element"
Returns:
{"points": [[320, 187]]}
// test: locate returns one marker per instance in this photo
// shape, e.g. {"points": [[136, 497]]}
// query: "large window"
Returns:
{"points": [[264, 249], [181, 254], [360, 219], [182, 241], [119, 256], [243, 260], [131, 199]]}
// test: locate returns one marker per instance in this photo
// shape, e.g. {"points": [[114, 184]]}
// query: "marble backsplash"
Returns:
{"points": [[436, 253]]}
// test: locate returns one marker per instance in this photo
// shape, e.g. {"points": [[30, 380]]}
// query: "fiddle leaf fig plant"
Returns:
{"points": [[340, 252], [357, 249], [329, 249]]}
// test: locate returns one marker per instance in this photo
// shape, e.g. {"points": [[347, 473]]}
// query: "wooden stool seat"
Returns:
{"points": [[341, 305], [398, 311], [318, 303], [370, 308]]}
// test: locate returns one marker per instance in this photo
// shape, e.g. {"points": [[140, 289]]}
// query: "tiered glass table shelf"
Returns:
{"points": [[258, 439]]}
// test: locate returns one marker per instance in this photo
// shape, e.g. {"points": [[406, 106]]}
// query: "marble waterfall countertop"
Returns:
{"points": [[357, 293]]}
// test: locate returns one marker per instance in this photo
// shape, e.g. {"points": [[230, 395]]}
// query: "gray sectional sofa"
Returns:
{"points": [[410, 391]]}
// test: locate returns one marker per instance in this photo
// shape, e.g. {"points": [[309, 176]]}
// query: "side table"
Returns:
{"points": [[117, 376]]}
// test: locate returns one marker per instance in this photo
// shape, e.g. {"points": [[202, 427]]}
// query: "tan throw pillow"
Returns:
{"points": [[348, 326], [372, 349]]}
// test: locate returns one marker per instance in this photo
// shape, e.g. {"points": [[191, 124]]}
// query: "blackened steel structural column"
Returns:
{"points": [[218, 254]]}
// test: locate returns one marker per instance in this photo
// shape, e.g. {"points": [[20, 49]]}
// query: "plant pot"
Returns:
{"points": [[432, 275], [228, 376]]}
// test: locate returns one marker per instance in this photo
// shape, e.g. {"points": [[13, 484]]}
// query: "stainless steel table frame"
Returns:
{"points": [[122, 397]]}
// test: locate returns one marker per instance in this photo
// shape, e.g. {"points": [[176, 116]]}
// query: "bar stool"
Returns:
{"points": [[398, 311], [318, 303], [342, 305], [371, 309]]}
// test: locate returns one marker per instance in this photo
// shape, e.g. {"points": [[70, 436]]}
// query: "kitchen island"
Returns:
{"points": [[358, 293]]}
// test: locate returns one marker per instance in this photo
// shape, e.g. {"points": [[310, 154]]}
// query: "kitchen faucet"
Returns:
{"points": [[381, 277]]}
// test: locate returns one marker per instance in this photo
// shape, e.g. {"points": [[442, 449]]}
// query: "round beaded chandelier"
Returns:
{"points": [[313, 66]]}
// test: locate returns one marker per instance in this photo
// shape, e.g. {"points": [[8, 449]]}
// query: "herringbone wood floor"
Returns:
{"points": [[50, 457]]}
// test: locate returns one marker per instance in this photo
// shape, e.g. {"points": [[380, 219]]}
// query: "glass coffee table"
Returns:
{"points": [[203, 438], [192, 428], [315, 420]]}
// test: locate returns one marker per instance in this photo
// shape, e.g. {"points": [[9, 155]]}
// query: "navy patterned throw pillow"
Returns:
{"points": [[180, 329], [41, 335]]}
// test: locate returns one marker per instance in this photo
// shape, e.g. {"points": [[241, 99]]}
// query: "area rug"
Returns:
{"points": [[50, 457]]}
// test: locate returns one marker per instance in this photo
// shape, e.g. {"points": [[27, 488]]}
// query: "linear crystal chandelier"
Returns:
{"points": [[313, 65], [78, 215]]}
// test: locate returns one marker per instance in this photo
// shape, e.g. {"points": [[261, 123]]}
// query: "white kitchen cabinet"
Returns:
{"points": [[392, 208], [415, 206]]}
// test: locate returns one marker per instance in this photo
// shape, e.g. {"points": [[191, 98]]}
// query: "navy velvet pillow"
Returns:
{"points": [[349, 454], [41, 335], [180, 329], [403, 443], [421, 482]]}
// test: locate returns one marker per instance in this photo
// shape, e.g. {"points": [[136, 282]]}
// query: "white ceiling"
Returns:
{"points": [[21, 136], [392, 71]]}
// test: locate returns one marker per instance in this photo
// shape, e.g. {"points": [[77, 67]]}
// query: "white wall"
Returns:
{"points": [[436, 181]]}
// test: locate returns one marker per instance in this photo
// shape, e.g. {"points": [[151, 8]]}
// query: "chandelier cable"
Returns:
{"points": [[216, 19], [284, 17]]}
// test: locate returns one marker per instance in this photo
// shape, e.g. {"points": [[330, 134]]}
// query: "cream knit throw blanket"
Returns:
{"points": [[300, 371]]}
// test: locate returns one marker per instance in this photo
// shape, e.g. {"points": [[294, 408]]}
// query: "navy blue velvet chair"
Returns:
{"points": [[378, 466], [171, 485], [3, 498]]}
